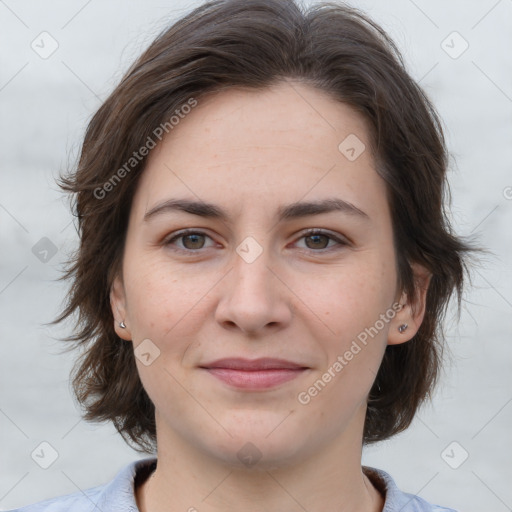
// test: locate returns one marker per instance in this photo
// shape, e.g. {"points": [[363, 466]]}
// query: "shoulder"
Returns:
{"points": [[417, 504], [70, 502], [395, 499], [115, 496]]}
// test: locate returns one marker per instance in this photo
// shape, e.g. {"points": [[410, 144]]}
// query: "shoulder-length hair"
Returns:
{"points": [[255, 44]]}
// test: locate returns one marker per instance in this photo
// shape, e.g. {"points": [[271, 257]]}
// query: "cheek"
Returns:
{"points": [[350, 296], [354, 343], [355, 308], [167, 306], [162, 300]]}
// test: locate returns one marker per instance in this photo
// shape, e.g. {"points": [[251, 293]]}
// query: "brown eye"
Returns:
{"points": [[194, 241], [318, 241], [322, 241], [188, 241]]}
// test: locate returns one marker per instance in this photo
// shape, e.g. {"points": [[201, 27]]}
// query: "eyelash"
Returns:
{"points": [[305, 234]]}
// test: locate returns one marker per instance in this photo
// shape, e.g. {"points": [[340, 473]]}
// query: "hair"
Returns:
{"points": [[255, 44]]}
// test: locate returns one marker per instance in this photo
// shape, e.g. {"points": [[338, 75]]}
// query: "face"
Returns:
{"points": [[260, 276]]}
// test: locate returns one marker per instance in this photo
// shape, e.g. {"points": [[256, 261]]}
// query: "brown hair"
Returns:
{"points": [[255, 44]]}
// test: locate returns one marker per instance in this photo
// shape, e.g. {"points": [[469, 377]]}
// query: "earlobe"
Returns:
{"points": [[118, 307], [408, 320]]}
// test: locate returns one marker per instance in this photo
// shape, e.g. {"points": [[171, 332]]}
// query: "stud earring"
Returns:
{"points": [[122, 325], [402, 328]]}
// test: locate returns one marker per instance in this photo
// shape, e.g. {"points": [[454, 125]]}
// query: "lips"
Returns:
{"points": [[264, 363], [256, 374]]}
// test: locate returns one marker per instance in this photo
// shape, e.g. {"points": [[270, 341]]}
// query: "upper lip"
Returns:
{"points": [[263, 363]]}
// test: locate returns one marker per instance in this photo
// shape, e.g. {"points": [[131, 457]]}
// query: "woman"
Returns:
{"points": [[264, 263]]}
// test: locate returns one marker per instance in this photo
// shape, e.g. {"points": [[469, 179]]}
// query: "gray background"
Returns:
{"points": [[45, 105]]}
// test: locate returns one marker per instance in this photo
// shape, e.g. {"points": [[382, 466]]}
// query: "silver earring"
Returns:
{"points": [[122, 325], [402, 328]]}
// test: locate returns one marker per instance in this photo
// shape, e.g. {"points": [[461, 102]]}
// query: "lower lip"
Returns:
{"points": [[255, 379]]}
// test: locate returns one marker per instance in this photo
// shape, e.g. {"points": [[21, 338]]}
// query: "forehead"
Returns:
{"points": [[242, 144], [296, 113]]}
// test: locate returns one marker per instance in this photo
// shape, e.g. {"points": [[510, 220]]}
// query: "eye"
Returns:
{"points": [[318, 240], [192, 240]]}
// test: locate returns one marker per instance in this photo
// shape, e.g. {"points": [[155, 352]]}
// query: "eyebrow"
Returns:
{"points": [[286, 212]]}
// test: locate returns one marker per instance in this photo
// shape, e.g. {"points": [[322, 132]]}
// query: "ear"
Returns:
{"points": [[119, 310], [413, 308]]}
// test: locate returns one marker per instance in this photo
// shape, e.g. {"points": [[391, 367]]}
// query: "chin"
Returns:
{"points": [[260, 447]]}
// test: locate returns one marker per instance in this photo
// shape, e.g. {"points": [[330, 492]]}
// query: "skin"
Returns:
{"points": [[302, 299]]}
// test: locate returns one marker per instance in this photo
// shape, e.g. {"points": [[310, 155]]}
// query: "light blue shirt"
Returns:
{"points": [[119, 495]]}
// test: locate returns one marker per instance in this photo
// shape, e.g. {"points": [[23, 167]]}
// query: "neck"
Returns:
{"points": [[328, 479]]}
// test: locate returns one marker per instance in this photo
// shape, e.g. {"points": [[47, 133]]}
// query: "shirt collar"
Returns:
{"points": [[119, 494]]}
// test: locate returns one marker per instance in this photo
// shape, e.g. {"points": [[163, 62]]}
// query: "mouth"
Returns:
{"points": [[254, 374]]}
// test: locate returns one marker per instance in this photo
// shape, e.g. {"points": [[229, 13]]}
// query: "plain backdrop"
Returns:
{"points": [[457, 452]]}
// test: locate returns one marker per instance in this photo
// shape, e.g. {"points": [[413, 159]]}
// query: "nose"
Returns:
{"points": [[254, 297]]}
